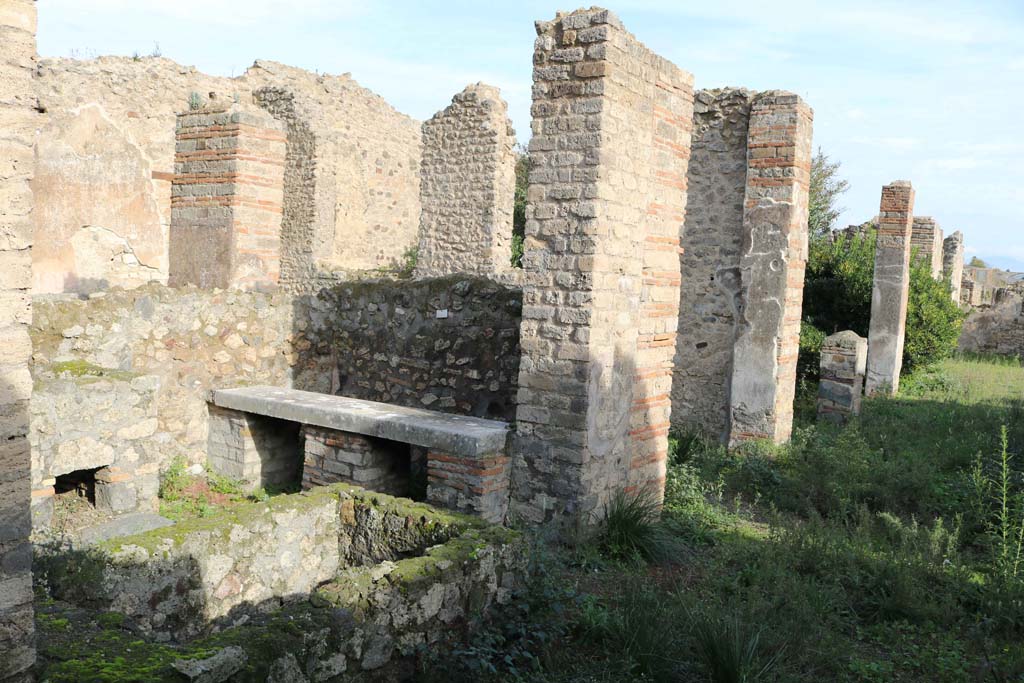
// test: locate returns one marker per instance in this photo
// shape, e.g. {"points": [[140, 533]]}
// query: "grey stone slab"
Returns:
{"points": [[455, 434], [123, 525]]}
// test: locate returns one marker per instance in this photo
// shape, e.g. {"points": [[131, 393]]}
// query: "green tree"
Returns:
{"points": [[519, 207], [826, 187], [976, 262], [837, 296]]}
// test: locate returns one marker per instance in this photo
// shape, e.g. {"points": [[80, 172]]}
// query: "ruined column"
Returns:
{"points": [[843, 361], [953, 262], [926, 238], [712, 240], [611, 140], [17, 139], [772, 263], [226, 198], [467, 186], [891, 289]]}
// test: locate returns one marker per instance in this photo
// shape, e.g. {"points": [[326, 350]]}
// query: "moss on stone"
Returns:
{"points": [[85, 370]]}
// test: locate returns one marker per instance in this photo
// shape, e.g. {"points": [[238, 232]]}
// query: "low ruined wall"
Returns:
{"points": [[998, 330], [403, 570], [192, 340], [448, 344], [84, 417]]}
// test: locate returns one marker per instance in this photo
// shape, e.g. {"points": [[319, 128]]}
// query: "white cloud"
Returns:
{"points": [[220, 12]]}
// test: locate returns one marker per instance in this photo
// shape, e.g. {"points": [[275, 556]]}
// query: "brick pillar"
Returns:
{"points": [[953, 262], [467, 186], [611, 138], [891, 288], [254, 449], [226, 199], [926, 239], [843, 360], [17, 138], [772, 263]]}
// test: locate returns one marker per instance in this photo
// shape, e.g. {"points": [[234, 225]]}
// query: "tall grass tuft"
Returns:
{"points": [[632, 529], [730, 651]]}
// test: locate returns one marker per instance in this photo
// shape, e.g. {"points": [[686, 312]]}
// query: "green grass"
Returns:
{"points": [[888, 550]]}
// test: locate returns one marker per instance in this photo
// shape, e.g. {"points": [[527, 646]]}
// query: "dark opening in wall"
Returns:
{"points": [[80, 483]]}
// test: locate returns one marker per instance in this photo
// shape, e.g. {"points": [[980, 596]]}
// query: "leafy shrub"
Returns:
{"points": [[933, 319], [837, 296], [808, 365]]}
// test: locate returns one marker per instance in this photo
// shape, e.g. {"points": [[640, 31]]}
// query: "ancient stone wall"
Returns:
{"points": [[711, 242], [891, 289], [399, 575], [611, 139], [448, 344], [226, 199], [953, 262], [467, 186], [87, 418], [352, 174], [772, 267], [106, 162], [18, 123], [742, 168], [926, 240], [998, 329]]}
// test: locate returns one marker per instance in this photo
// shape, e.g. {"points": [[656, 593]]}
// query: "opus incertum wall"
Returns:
{"points": [[611, 140], [891, 289], [18, 113], [744, 254], [467, 186]]}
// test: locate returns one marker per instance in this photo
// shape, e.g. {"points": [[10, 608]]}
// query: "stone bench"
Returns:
{"points": [[264, 435]]}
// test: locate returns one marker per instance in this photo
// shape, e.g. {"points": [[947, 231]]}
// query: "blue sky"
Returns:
{"points": [[930, 90]]}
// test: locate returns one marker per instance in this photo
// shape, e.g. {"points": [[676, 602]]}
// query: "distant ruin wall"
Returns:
{"points": [[998, 330], [352, 177], [449, 345], [106, 161], [467, 186], [711, 242], [17, 135]]}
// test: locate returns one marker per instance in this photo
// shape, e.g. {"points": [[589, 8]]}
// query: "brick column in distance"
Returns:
{"points": [[611, 137], [772, 264], [891, 289], [226, 199], [926, 237]]}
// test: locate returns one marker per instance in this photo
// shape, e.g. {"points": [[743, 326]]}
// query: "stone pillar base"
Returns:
{"points": [[477, 485], [256, 450], [333, 456], [843, 359]]}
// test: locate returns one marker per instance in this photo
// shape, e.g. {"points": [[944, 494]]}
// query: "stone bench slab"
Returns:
{"points": [[455, 434]]}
